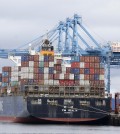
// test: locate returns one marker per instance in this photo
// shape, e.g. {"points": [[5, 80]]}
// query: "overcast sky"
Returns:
{"points": [[23, 20]]}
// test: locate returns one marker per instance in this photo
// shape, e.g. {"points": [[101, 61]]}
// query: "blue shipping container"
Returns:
{"points": [[51, 70], [75, 58], [4, 74], [77, 77], [4, 84], [86, 71], [41, 70], [96, 77], [75, 70]]}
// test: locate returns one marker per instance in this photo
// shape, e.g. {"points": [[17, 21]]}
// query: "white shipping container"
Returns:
{"points": [[82, 82], [46, 82], [24, 69], [71, 76], [61, 76], [82, 64], [41, 58], [46, 76], [50, 82], [63, 69], [31, 63], [51, 64], [15, 69], [56, 82], [86, 82], [31, 76], [81, 76], [14, 74], [46, 70], [31, 69], [24, 75], [101, 77], [14, 78], [54, 71]]}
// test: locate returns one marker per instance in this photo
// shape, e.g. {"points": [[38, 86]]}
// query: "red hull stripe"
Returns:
{"points": [[25, 119], [69, 119]]}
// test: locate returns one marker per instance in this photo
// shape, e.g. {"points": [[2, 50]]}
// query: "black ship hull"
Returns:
{"points": [[55, 110]]}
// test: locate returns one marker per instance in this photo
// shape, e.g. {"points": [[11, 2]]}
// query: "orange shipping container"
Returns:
{"points": [[91, 58], [36, 58], [81, 71], [6, 69], [36, 64]]}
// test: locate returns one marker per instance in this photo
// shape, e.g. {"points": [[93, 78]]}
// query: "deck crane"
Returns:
{"points": [[67, 38]]}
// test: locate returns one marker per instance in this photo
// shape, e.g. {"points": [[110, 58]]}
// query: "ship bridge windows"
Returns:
{"points": [[100, 103], [84, 103]]}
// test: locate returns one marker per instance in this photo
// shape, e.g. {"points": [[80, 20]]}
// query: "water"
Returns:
{"points": [[12, 128]]}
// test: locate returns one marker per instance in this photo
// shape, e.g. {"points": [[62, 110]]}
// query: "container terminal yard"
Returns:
{"points": [[60, 77]]}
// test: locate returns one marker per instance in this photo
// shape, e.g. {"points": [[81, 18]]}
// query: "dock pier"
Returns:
{"points": [[114, 119]]}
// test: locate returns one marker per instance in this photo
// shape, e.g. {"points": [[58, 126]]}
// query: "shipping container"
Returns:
{"points": [[75, 64], [75, 58], [31, 63], [86, 71], [41, 70], [82, 65], [75, 70], [6, 69], [36, 64], [36, 58]]}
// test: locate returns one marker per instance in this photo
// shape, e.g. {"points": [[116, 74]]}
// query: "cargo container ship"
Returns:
{"points": [[50, 88]]}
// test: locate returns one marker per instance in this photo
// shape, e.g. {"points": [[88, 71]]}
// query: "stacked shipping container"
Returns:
{"points": [[84, 72]]}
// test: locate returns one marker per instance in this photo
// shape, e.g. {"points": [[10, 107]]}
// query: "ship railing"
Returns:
{"points": [[65, 90]]}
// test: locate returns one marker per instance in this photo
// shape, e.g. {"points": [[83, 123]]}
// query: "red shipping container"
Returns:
{"points": [[77, 83], [86, 77], [97, 71], [58, 68], [81, 70], [75, 64], [97, 59], [92, 65], [56, 76], [36, 70], [41, 76], [62, 82], [24, 81], [5, 79], [91, 77], [91, 58], [71, 83], [36, 76], [36, 64], [87, 59], [24, 64], [36, 58], [31, 57], [102, 71], [6, 69], [87, 64], [50, 76], [92, 71], [97, 65], [41, 82], [4, 90], [82, 58], [66, 76], [46, 64], [68, 69]]}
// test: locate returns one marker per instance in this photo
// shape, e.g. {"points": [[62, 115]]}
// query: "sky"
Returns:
{"points": [[23, 20]]}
